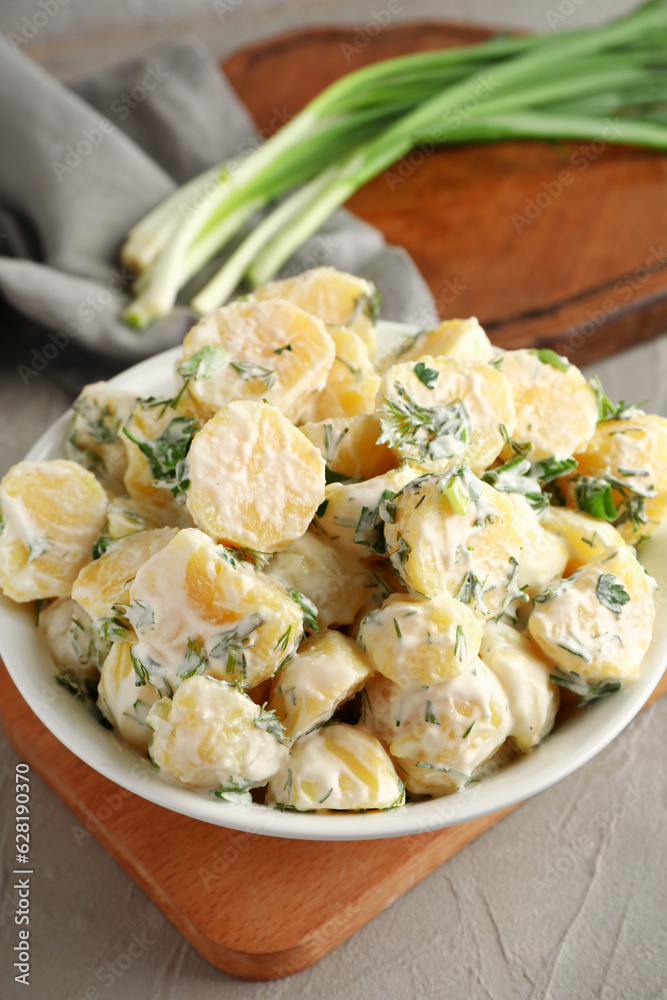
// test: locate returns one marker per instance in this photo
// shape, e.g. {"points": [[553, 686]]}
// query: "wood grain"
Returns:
{"points": [[254, 907], [549, 245]]}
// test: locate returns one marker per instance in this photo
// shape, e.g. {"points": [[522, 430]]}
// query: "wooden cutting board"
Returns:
{"points": [[254, 907], [558, 245]]}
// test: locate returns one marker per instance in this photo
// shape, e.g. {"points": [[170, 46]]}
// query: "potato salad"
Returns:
{"points": [[324, 575]]}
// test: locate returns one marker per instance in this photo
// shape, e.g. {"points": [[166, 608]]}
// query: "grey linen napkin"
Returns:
{"points": [[81, 164]]}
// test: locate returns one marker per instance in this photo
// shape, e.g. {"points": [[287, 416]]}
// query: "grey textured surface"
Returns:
{"points": [[565, 899]]}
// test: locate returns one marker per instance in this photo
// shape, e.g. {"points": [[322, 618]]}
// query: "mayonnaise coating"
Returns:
{"points": [[523, 672], [276, 352], [212, 735], [106, 582], [327, 671], [65, 628], [598, 623], [438, 411], [50, 514], [450, 533], [337, 767], [123, 702], [255, 480], [197, 609], [556, 409], [439, 735], [417, 642], [336, 583]]}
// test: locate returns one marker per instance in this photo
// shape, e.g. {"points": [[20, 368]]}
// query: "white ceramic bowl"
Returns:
{"points": [[572, 743]]}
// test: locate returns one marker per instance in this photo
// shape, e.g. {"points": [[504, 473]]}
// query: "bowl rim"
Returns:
{"points": [[572, 744]]}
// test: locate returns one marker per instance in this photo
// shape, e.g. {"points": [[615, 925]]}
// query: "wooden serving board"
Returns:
{"points": [[558, 245], [254, 907]]}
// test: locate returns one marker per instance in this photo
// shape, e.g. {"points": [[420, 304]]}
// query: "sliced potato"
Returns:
{"points": [[352, 382], [386, 582], [124, 517], [449, 533], [439, 735], [124, 704], [255, 480], [211, 735], [438, 411], [50, 514], [106, 582], [349, 445], [631, 456], [337, 298], [412, 641], [65, 628], [598, 623], [100, 410], [327, 671], [335, 583], [350, 517], [197, 609], [523, 672], [337, 767], [544, 554], [156, 438], [584, 536], [277, 352], [556, 409], [453, 338]]}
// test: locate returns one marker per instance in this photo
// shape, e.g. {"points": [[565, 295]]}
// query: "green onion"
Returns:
{"points": [[605, 83]]}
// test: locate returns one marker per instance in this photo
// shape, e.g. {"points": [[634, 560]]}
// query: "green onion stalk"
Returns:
{"points": [[606, 83]]}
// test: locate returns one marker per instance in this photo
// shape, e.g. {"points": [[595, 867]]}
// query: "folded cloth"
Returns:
{"points": [[82, 163]]}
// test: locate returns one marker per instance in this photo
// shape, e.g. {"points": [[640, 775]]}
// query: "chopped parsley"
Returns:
{"points": [[611, 594], [427, 376], [593, 496], [167, 455]]}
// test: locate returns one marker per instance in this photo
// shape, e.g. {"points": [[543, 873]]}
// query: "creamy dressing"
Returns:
{"points": [[473, 720], [251, 333], [184, 622], [337, 767], [327, 671], [524, 676], [209, 735], [581, 634]]}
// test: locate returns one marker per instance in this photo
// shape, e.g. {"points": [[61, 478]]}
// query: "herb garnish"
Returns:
{"points": [[612, 411], [586, 691], [433, 431], [611, 594], [166, 455], [427, 376], [249, 370], [549, 357]]}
